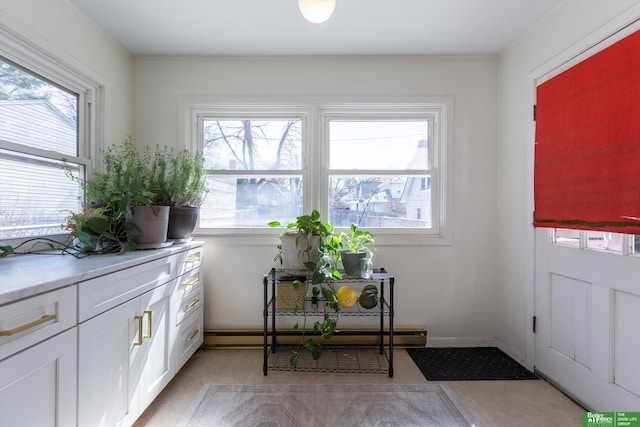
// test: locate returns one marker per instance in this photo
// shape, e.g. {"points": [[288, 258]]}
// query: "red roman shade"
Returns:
{"points": [[587, 152]]}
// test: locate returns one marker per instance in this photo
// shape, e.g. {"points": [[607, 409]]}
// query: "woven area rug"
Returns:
{"points": [[326, 405], [468, 364]]}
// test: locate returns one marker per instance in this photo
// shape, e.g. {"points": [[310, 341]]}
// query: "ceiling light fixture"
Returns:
{"points": [[316, 11]]}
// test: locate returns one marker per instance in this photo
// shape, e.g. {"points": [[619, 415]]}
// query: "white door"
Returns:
{"points": [[157, 355], [38, 385], [587, 306], [108, 367]]}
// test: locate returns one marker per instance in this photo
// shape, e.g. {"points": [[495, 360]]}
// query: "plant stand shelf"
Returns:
{"points": [[338, 358], [345, 359]]}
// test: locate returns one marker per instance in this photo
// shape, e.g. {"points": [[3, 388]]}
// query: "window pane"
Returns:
{"points": [[36, 113], [566, 237], [382, 201], [383, 145], [252, 144], [35, 196], [251, 201], [604, 240], [636, 244]]}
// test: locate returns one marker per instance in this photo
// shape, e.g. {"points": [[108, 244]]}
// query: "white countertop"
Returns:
{"points": [[23, 276]]}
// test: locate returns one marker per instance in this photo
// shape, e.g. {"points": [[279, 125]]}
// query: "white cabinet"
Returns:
{"points": [[95, 345], [38, 360], [157, 352], [125, 360], [38, 385], [128, 336], [107, 365]]}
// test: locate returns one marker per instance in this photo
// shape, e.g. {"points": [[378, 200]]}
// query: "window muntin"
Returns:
{"points": [[38, 129]]}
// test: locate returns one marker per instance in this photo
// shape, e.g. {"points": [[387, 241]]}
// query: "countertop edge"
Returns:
{"points": [[24, 276]]}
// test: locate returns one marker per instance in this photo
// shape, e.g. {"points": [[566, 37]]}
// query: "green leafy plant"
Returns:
{"points": [[178, 178], [357, 241], [322, 273], [95, 232], [123, 184], [305, 227]]}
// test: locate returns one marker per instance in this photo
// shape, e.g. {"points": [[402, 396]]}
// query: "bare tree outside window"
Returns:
{"points": [[256, 171]]}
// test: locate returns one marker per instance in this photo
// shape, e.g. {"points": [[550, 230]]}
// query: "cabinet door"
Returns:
{"points": [[108, 367], [157, 357], [38, 386]]}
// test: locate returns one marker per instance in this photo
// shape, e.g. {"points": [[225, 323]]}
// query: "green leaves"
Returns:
{"points": [[314, 348], [5, 249], [326, 328], [358, 241]]}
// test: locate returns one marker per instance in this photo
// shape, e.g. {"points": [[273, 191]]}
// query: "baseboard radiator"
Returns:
{"points": [[252, 339]]}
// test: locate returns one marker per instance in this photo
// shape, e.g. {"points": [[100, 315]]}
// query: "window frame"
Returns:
{"points": [[43, 63], [389, 112], [316, 156]]}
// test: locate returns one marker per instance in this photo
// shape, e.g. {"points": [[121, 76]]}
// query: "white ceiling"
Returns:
{"points": [[275, 27]]}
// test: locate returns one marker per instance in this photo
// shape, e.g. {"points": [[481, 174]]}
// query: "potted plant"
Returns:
{"points": [[128, 187], [179, 180], [301, 240], [123, 192], [96, 232], [309, 247], [356, 248]]}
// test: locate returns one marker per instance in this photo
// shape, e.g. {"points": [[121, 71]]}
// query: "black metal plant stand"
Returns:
{"points": [[377, 359]]}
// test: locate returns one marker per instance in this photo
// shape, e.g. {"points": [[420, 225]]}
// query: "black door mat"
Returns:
{"points": [[467, 364]]}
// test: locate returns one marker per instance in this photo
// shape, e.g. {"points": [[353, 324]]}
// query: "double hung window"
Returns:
{"points": [[40, 146], [382, 166]]}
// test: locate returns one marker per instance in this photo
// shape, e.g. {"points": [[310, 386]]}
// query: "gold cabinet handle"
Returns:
{"points": [[44, 319], [148, 313], [191, 304], [192, 259], [191, 282], [139, 319], [193, 335]]}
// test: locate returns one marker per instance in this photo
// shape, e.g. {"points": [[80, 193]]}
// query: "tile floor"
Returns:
{"points": [[489, 403]]}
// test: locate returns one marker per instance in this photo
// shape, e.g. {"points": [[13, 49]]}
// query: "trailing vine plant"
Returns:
{"points": [[322, 274]]}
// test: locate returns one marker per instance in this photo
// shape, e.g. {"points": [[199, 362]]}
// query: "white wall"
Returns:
{"points": [[570, 23], [449, 290], [69, 35]]}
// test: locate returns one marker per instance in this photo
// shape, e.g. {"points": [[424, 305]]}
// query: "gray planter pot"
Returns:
{"points": [[182, 222], [351, 262], [152, 222]]}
